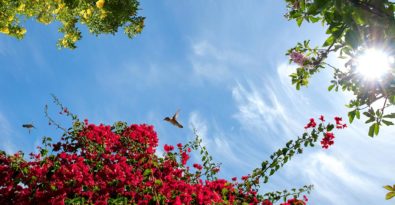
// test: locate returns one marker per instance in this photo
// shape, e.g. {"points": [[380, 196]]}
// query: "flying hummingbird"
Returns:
{"points": [[28, 126], [173, 120]]}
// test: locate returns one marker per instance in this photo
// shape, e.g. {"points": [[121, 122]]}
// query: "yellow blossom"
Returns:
{"points": [[5, 30], [100, 4], [21, 31], [21, 7]]}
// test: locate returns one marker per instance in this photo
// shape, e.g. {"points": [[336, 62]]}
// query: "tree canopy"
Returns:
{"points": [[354, 27], [101, 17]]}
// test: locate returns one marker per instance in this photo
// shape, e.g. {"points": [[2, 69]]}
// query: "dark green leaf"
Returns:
{"points": [[392, 115], [388, 123], [351, 116]]}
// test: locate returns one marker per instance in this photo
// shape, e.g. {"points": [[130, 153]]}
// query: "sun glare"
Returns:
{"points": [[373, 64]]}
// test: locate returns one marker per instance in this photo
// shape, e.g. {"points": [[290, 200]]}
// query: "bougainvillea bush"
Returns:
{"points": [[102, 164]]}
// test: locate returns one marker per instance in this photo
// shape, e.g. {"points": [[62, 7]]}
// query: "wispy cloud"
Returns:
{"points": [[217, 64], [214, 139]]}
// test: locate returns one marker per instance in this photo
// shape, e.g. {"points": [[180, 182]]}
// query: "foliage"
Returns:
{"points": [[100, 16], [353, 26], [102, 164], [279, 158], [391, 192]]}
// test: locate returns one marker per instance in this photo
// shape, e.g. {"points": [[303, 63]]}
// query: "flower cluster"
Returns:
{"points": [[298, 58], [100, 164], [329, 137], [339, 124], [311, 124]]}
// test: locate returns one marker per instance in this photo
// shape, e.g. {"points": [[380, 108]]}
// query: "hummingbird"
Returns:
{"points": [[28, 126], [173, 120]]}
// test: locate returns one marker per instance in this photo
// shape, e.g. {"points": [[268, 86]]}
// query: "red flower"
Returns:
{"points": [[168, 148], [305, 198], [322, 118], [198, 166], [267, 202], [311, 124], [327, 140]]}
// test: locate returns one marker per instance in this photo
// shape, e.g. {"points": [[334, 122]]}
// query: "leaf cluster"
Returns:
{"points": [[100, 16], [352, 26]]}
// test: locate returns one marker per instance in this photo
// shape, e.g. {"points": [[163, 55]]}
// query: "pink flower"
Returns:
{"points": [[298, 58]]}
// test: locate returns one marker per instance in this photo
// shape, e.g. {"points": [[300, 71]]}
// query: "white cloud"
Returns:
{"points": [[217, 64], [217, 143]]}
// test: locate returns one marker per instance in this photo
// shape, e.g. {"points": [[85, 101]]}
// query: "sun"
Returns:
{"points": [[372, 64]]}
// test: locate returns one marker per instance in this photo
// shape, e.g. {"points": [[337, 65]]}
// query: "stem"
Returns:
{"points": [[53, 121], [324, 54], [382, 110]]}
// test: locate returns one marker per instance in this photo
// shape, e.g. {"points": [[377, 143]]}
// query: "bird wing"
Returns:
{"points": [[175, 116], [178, 124]]}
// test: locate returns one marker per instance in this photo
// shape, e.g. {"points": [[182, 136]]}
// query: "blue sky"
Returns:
{"points": [[223, 64]]}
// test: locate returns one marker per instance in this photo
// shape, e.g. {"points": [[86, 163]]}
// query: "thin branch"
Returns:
{"points": [[51, 121]]}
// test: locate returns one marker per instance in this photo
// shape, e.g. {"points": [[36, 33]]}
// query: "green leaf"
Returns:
{"points": [[389, 188], [358, 114], [147, 172], [266, 179], [331, 87], [388, 123], [372, 119], [371, 130], [314, 19], [389, 195], [272, 172], [330, 127], [299, 21], [392, 115], [329, 41], [351, 116], [376, 128]]}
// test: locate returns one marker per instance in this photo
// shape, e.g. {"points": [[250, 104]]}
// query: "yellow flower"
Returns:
{"points": [[21, 7], [103, 14], [10, 18], [86, 13], [5, 30], [21, 31], [100, 4], [64, 42]]}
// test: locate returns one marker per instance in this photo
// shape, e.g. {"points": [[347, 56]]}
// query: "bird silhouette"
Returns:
{"points": [[173, 120], [28, 126]]}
